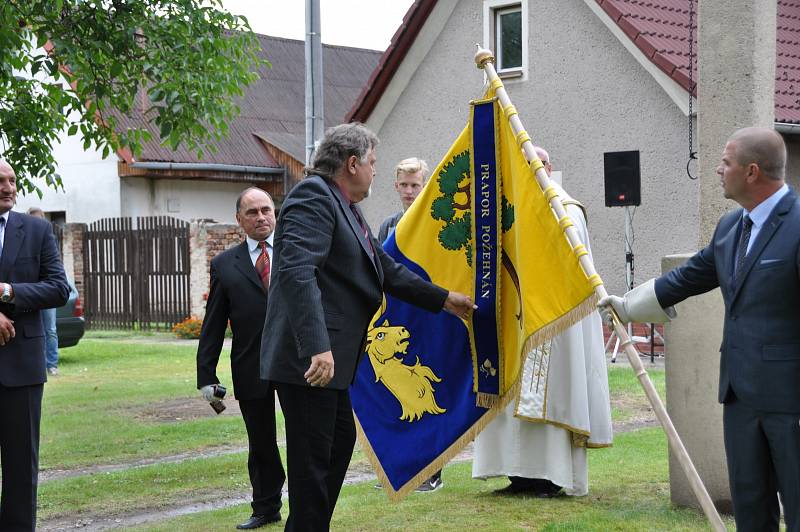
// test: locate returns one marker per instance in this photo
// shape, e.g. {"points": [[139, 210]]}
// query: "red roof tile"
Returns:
{"points": [[662, 27], [659, 28]]}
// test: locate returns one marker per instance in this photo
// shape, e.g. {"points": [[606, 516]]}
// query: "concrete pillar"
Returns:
{"points": [[68, 253], [736, 87], [692, 344], [72, 249], [199, 278]]}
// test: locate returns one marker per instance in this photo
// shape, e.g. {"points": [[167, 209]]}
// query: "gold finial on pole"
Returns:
{"points": [[483, 56]]}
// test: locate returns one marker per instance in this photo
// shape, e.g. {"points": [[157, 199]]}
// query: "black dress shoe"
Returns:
{"points": [[532, 487], [257, 521], [513, 489]]}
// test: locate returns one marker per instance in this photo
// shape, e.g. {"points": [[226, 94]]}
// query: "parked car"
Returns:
{"points": [[69, 319]]}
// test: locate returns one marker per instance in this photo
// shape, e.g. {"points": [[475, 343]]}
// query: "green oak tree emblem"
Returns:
{"points": [[455, 179], [455, 212]]}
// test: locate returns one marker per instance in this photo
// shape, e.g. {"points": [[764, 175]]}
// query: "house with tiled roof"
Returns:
{"points": [[587, 77], [265, 147]]}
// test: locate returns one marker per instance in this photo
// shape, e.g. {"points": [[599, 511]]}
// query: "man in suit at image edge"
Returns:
{"points": [[754, 258], [31, 279]]}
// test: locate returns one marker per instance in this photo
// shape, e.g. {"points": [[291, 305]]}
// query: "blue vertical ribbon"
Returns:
{"points": [[486, 254]]}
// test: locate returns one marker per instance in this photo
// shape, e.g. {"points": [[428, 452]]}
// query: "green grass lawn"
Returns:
{"points": [[104, 407], [107, 406], [118, 334], [627, 395], [629, 492]]}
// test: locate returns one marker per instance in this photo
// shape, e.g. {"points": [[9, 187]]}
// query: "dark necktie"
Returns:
{"points": [[263, 265], [363, 227], [2, 234], [744, 240]]}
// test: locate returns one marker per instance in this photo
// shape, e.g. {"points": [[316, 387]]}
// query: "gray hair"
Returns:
{"points": [[339, 144]]}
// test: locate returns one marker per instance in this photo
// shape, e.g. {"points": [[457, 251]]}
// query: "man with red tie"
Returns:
{"points": [[239, 286]]}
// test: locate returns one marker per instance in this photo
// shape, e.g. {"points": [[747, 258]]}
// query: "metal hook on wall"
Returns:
{"points": [[692, 157]]}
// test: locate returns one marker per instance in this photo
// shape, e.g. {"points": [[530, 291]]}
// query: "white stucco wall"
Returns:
{"points": [[587, 95], [91, 186], [184, 199], [93, 190]]}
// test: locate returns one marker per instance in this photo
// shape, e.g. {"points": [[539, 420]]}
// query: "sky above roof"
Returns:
{"points": [[359, 23]]}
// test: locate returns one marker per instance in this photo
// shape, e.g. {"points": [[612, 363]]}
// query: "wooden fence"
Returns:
{"points": [[136, 273]]}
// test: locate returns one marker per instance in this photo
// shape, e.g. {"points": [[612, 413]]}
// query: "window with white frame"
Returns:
{"points": [[505, 26]]}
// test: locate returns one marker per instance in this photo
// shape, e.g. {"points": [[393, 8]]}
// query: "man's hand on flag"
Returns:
{"points": [[320, 372], [459, 305]]}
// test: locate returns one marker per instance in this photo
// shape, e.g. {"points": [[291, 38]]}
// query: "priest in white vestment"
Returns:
{"points": [[540, 439]]}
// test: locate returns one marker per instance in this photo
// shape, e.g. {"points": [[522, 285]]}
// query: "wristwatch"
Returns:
{"points": [[5, 297]]}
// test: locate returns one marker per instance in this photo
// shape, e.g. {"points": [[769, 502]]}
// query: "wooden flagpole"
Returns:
{"points": [[484, 59]]}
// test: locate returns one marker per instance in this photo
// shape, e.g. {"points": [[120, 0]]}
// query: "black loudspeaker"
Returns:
{"points": [[622, 178]]}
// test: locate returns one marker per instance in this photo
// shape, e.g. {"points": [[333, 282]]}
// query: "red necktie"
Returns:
{"points": [[262, 265]]}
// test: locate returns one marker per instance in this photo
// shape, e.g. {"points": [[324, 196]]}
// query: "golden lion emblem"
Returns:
{"points": [[411, 385]]}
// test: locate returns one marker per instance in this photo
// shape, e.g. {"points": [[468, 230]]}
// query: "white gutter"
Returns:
{"points": [[789, 129], [208, 166]]}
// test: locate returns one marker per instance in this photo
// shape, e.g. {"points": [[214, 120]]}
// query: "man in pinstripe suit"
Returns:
{"points": [[328, 281]]}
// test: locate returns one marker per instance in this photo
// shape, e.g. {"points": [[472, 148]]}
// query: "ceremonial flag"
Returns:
{"points": [[428, 383]]}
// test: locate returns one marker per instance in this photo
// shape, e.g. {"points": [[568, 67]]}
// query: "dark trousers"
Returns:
{"points": [[20, 414], [263, 459], [320, 436], [763, 452]]}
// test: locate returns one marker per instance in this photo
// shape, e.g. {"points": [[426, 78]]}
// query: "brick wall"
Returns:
{"points": [[643, 330], [206, 241]]}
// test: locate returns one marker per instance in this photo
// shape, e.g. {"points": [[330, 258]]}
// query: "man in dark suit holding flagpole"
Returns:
{"points": [[328, 281], [240, 279], [31, 279], [754, 258]]}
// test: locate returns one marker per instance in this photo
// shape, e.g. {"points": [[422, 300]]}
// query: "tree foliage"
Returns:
{"points": [[74, 66]]}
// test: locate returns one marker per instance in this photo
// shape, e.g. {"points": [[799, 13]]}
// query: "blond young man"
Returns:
{"points": [[410, 175]]}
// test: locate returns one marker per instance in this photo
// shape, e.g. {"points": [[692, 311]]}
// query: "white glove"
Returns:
{"points": [[208, 392], [640, 305], [604, 307]]}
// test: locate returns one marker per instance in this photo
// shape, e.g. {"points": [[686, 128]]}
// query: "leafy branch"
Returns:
{"points": [[81, 66]]}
